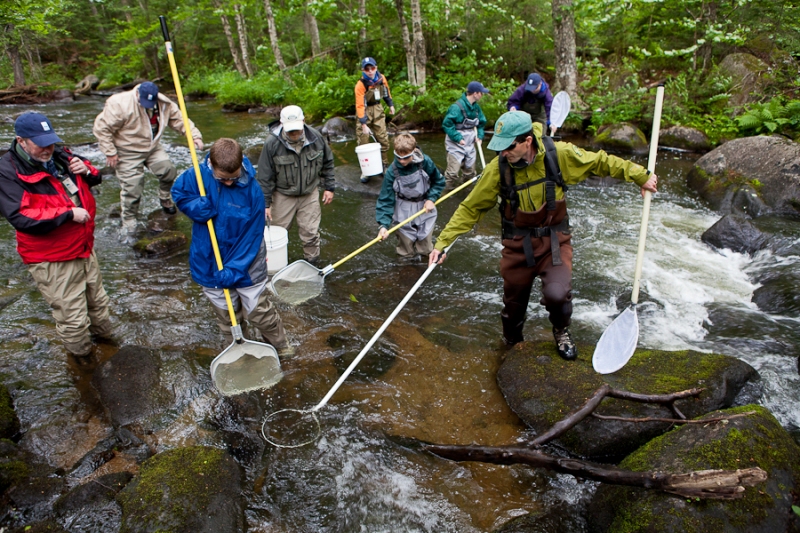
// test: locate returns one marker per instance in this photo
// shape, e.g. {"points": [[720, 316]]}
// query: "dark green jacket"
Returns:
{"points": [[384, 207], [455, 116], [281, 168]]}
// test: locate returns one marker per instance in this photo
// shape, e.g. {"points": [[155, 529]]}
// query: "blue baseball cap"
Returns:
{"points": [[476, 87], [533, 82], [148, 94], [36, 127], [368, 61]]}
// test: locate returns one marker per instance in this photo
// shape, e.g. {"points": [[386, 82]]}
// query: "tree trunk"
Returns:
{"points": [[241, 27], [13, 54], [226, 28], [410, 67], [420, 57], [313, 30], [362, 14], [565, 50], [273, 35]]}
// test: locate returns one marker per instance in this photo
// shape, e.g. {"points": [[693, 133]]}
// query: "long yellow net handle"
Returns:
{"points": [[403, 223], [195, 163]]}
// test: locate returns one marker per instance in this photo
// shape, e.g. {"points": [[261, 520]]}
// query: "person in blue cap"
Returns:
{"points": [[370, 89], [463, 125], [129, 131], [534, 97], [529, 177], [45, 195]]}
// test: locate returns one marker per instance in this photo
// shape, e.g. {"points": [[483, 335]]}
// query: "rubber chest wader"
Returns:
{"points": [[411, 190], [374, 92], [548, 220], [536, 110], [468, 123]]}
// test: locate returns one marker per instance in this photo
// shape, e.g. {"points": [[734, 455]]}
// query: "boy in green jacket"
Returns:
{"points": [[411, 183], [463, 125]]}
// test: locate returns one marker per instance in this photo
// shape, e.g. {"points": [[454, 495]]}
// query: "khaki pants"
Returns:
{"points": [[130, 173], [309, 214], [456, 162], [406, 248], [264, 317], [376, 121], [74, 289]]}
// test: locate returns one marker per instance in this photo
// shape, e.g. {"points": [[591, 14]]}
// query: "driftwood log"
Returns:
{"points": [[707, 484]]}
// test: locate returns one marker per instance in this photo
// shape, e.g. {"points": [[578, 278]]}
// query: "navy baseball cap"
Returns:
{"points": [[533, 82], [368, 61], [36, 127], [148, 94], [476, 87]]}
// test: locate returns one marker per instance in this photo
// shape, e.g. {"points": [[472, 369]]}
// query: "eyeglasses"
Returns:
{"points": [[511, 146], [227, 178], [398, 156], [370, 68]]}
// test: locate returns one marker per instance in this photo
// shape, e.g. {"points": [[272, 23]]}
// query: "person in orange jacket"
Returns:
{"points": [[370, 89]]}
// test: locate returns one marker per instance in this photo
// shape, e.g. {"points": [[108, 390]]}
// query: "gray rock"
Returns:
{"points": [[756, 175], [623, 137], [129, 385], [736, 233], [685, 138], [779, 296], [93, 494], [746, 73], [339, 129], [163, 244], [749, 441], [543, 389], [185, 490]]}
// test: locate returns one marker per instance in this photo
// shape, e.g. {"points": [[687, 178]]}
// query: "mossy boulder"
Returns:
{"points": [[684, 138], [754, 175], [13, 465], [556, 518], [623, 138], [749, 441], [129, 385], [746, 72], [9, 422], [161, 244], [185, 490], [542, 389]]}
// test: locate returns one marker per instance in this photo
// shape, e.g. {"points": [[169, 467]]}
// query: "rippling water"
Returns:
{"points": [[431, 376]]}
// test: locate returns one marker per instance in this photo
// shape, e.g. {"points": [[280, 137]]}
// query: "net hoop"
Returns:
{"points": [[301, 412]]}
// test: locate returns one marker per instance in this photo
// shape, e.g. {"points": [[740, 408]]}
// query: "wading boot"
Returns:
{"points": [[364, 179], [564, 345], [168, 206]]}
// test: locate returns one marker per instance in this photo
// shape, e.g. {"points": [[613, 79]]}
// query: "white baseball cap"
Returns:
{"points": [[292, 118]]}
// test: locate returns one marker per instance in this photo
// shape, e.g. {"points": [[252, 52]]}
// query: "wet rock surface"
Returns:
{"points": [[744, 442], [755, 175], [543, 389], [187, 490], [161, 244], [736, 233], [339, 129], [622, 138], [129, 385], [684, 138]]}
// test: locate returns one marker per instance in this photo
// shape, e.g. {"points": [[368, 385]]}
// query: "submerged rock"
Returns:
{"points": [[130, 385], [9, 422], [543, 389], [623, 137], [745, 442], [185, 490], [161, 244], [755, 175], [779, 296]]}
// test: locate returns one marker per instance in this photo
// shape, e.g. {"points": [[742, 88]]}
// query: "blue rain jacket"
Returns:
{"points": [[238, 215]]}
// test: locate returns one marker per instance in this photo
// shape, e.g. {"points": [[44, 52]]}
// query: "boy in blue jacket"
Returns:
{"points": [[411, 183], [235, 203]]}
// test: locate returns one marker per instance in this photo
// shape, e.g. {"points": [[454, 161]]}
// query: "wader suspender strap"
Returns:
{"points": [[509, 192], [464, 113]]}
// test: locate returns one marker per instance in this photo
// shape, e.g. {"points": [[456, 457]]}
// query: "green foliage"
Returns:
{"points": [[771, 117]]}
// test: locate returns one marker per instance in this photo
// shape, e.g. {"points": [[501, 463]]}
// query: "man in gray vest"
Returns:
{"points": [[463, 125], [294, 163]]}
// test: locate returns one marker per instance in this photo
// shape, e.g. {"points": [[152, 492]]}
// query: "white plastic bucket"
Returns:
{"points": [[369, 157], [277, 240]]}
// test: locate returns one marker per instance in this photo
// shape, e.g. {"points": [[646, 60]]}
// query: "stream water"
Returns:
{"points": [[432, 375]]}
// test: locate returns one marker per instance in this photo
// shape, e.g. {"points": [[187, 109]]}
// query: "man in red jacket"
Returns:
{"points": [[44, 194]]}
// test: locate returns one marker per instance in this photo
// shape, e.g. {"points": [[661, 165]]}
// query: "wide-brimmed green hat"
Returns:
{"points": [[508, 127]]}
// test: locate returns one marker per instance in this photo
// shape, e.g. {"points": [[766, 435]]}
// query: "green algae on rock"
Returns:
{"points": [[185, 490], [744, 442], [543, 389]]}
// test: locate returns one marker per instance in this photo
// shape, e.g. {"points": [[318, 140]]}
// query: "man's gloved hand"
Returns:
{"points": [[224, 278]]}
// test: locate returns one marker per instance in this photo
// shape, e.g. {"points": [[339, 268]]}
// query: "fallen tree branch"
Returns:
{"points": [[706, 484], [673, 420]]}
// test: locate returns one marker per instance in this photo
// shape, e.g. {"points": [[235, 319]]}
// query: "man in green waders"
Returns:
{"points": [[463, 125], [530, 176]]}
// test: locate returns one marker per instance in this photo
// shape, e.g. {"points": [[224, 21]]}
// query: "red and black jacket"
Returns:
{"points": [[40, 209]]}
